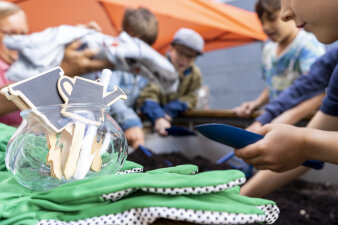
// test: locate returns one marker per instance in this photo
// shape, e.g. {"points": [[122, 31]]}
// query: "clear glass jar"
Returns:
{"points": [[93, 138]]}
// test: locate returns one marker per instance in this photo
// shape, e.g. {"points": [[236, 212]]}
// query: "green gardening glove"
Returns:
{"points": [[10, 189], [6, 133], [73, 196], [224, 207], [93, 193]]}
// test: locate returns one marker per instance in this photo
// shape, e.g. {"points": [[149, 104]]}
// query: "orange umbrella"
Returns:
{"points": [[48, 13], [221, 25]]}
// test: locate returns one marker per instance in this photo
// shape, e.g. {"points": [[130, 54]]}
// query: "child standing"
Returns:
{"points": [[289, 54], [161, 108]]}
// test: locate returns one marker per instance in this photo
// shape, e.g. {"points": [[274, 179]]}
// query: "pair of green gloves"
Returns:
{"points": [[131, 197]]}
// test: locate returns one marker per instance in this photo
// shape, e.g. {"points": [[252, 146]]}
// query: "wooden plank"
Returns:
{"points": [[215, 113]]}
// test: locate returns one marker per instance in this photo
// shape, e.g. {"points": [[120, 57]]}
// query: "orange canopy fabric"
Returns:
{"points": [[49, 13], [221, 25]]}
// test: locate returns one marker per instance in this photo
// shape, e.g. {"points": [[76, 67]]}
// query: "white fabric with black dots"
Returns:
{"points": [[146, 216], [134, 170], [175, 191], [195, 190], [271, 213], [118, 195]]}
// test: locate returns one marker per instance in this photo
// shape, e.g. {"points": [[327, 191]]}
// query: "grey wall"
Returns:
{"points": [[233, 75]]}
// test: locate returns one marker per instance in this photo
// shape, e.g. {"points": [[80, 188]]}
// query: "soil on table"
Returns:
{"points": [[300, 202]]}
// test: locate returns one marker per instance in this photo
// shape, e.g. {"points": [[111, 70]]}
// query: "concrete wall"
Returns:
{"points": [[233, 75]]}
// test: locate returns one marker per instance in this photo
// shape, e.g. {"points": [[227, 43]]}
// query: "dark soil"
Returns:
{"points": [[300, 202], [157, 161]]}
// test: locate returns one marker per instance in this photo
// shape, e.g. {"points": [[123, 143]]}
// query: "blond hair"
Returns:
{"points": [[140, 23], [7, 9]]}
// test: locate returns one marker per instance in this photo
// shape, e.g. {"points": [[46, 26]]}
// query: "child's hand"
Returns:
{"points": [[254, 126], [161, 124], [245, 109], [280, 150], [168, 117], [135, 136], [77, 62]]}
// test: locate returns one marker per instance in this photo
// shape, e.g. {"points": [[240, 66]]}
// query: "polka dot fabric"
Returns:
{"points": [[271, 212], [146, 216], [176, 191], [195, 190], [134, 170]]}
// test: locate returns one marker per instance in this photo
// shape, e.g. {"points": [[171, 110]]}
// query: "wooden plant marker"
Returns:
{"points": [[74, 151], [81, 90], [66, 142], [97, 161], [54, 155], [39, 90]]}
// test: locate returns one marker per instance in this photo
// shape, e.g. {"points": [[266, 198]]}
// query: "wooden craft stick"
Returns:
{"points": [[54, 155], [20, 104], [97, 161], [101, 148], [55, 166], [74, 152], [65, 143]]}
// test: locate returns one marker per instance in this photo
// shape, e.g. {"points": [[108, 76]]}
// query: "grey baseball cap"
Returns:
{"points": [[190, 39]]}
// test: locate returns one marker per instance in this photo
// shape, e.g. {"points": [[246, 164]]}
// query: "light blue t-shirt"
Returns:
{"points": [[296, 60]]}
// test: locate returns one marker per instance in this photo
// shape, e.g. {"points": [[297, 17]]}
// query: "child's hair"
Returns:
{"points": [[7, 9], [267, 6], [140, 23]]}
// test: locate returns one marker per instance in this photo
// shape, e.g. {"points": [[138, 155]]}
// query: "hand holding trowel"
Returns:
{"points": [[238, 138]]}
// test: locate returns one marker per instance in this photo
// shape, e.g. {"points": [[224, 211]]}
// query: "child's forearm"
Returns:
{"points": [[321, 145], [262, 99], [258, 186], [294, 115]]}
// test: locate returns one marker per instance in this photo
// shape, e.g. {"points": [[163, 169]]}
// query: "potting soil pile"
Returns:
{"points": [[300, 202]]}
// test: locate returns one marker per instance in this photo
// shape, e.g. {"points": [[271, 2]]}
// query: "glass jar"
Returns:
{"points": [[62, 143]]}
